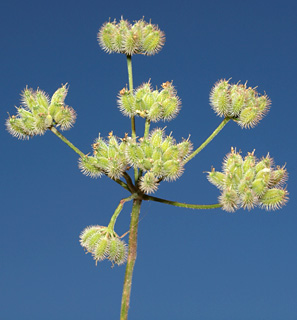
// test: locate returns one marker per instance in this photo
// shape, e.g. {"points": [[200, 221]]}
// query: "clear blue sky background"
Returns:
{"points": [[208, 265]]}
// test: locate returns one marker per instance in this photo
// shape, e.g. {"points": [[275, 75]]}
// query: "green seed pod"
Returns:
{"points": [[231, 159], [266, 162], [88, 166], [156, 138], [248, 199], [147, 148], [88, 233], [115, 248], [230, 181], [134, 153], [65, 117], [153, 40], [48, 121], [172, 170], [93, 241], [126, 103], [53, 109], [170, 107], [122, 253], [171, 153], [28, 98], [100, 147], [102, 162], [259, 187], [185, 148], [131, 43], [101, 251], [237, 96], [106, 37], [243, 186], [249, 117], [157, 154], [264, 175], [217, 178], [249, 175], [115, 169], [168, 142], [28, 121], [42, 100], [263, 104], [249, 162], [146, 164], [40, 124], [60, 95], [236, 171], [157, 168], [14, 126], [279, 177], [155, 112], [229, 200], [148, 183], [220, 99], [274, 199]]}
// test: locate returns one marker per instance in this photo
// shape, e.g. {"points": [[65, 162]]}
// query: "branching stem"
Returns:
{"points": [[208, 140], [183, 205]]}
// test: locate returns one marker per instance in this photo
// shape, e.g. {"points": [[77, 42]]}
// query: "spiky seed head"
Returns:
{"points": [[155, 112], [279, 177], [249, 117], [14, 126], [229, 200], [217, 178], [153, 40], [87, 233], [173, 169], [40, 124], [134, 153], [106, 37], [237, 96], [248, 199], [93, 241], [28, 98], [167, 143], [115, 168], [171, 153], [157, 168], [65, 117], [156, 137], [220, 98], [148, 183], [89, 166], [101, 250], [126, 103], [274, 199], [122, 37], [28, 121], [122, 253], [249, 162], [59, 96]]}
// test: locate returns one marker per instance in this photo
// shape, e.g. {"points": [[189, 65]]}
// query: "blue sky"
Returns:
{"points": [[209, 265]]}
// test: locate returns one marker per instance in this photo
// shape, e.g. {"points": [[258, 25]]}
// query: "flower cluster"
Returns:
{"points": [[104, 243], [160, 157], [38, 113], [124, 37], [108, 158], [154, 105], [246, 183], [245, 105]]}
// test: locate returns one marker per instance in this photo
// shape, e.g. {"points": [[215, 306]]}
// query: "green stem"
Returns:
{"points": [[130, 76], [183, 205], [59, 134], [207, 141], [118, 211], [73, 147], [147, 128], [131, 258]]}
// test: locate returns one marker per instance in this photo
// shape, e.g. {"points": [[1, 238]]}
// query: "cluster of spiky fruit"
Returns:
{"points": [[245, 105], [154, 105], [104, 243], [248, 182], [158, 155], [38, 113], [124, 37]]}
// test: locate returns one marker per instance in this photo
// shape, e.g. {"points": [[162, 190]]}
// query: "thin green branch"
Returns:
{"points": [[130, 184], [183, 205], [118, 210], [130, 76], [64, 139], [131, 258], [74, 148], [147, 128], [207, 141]]}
